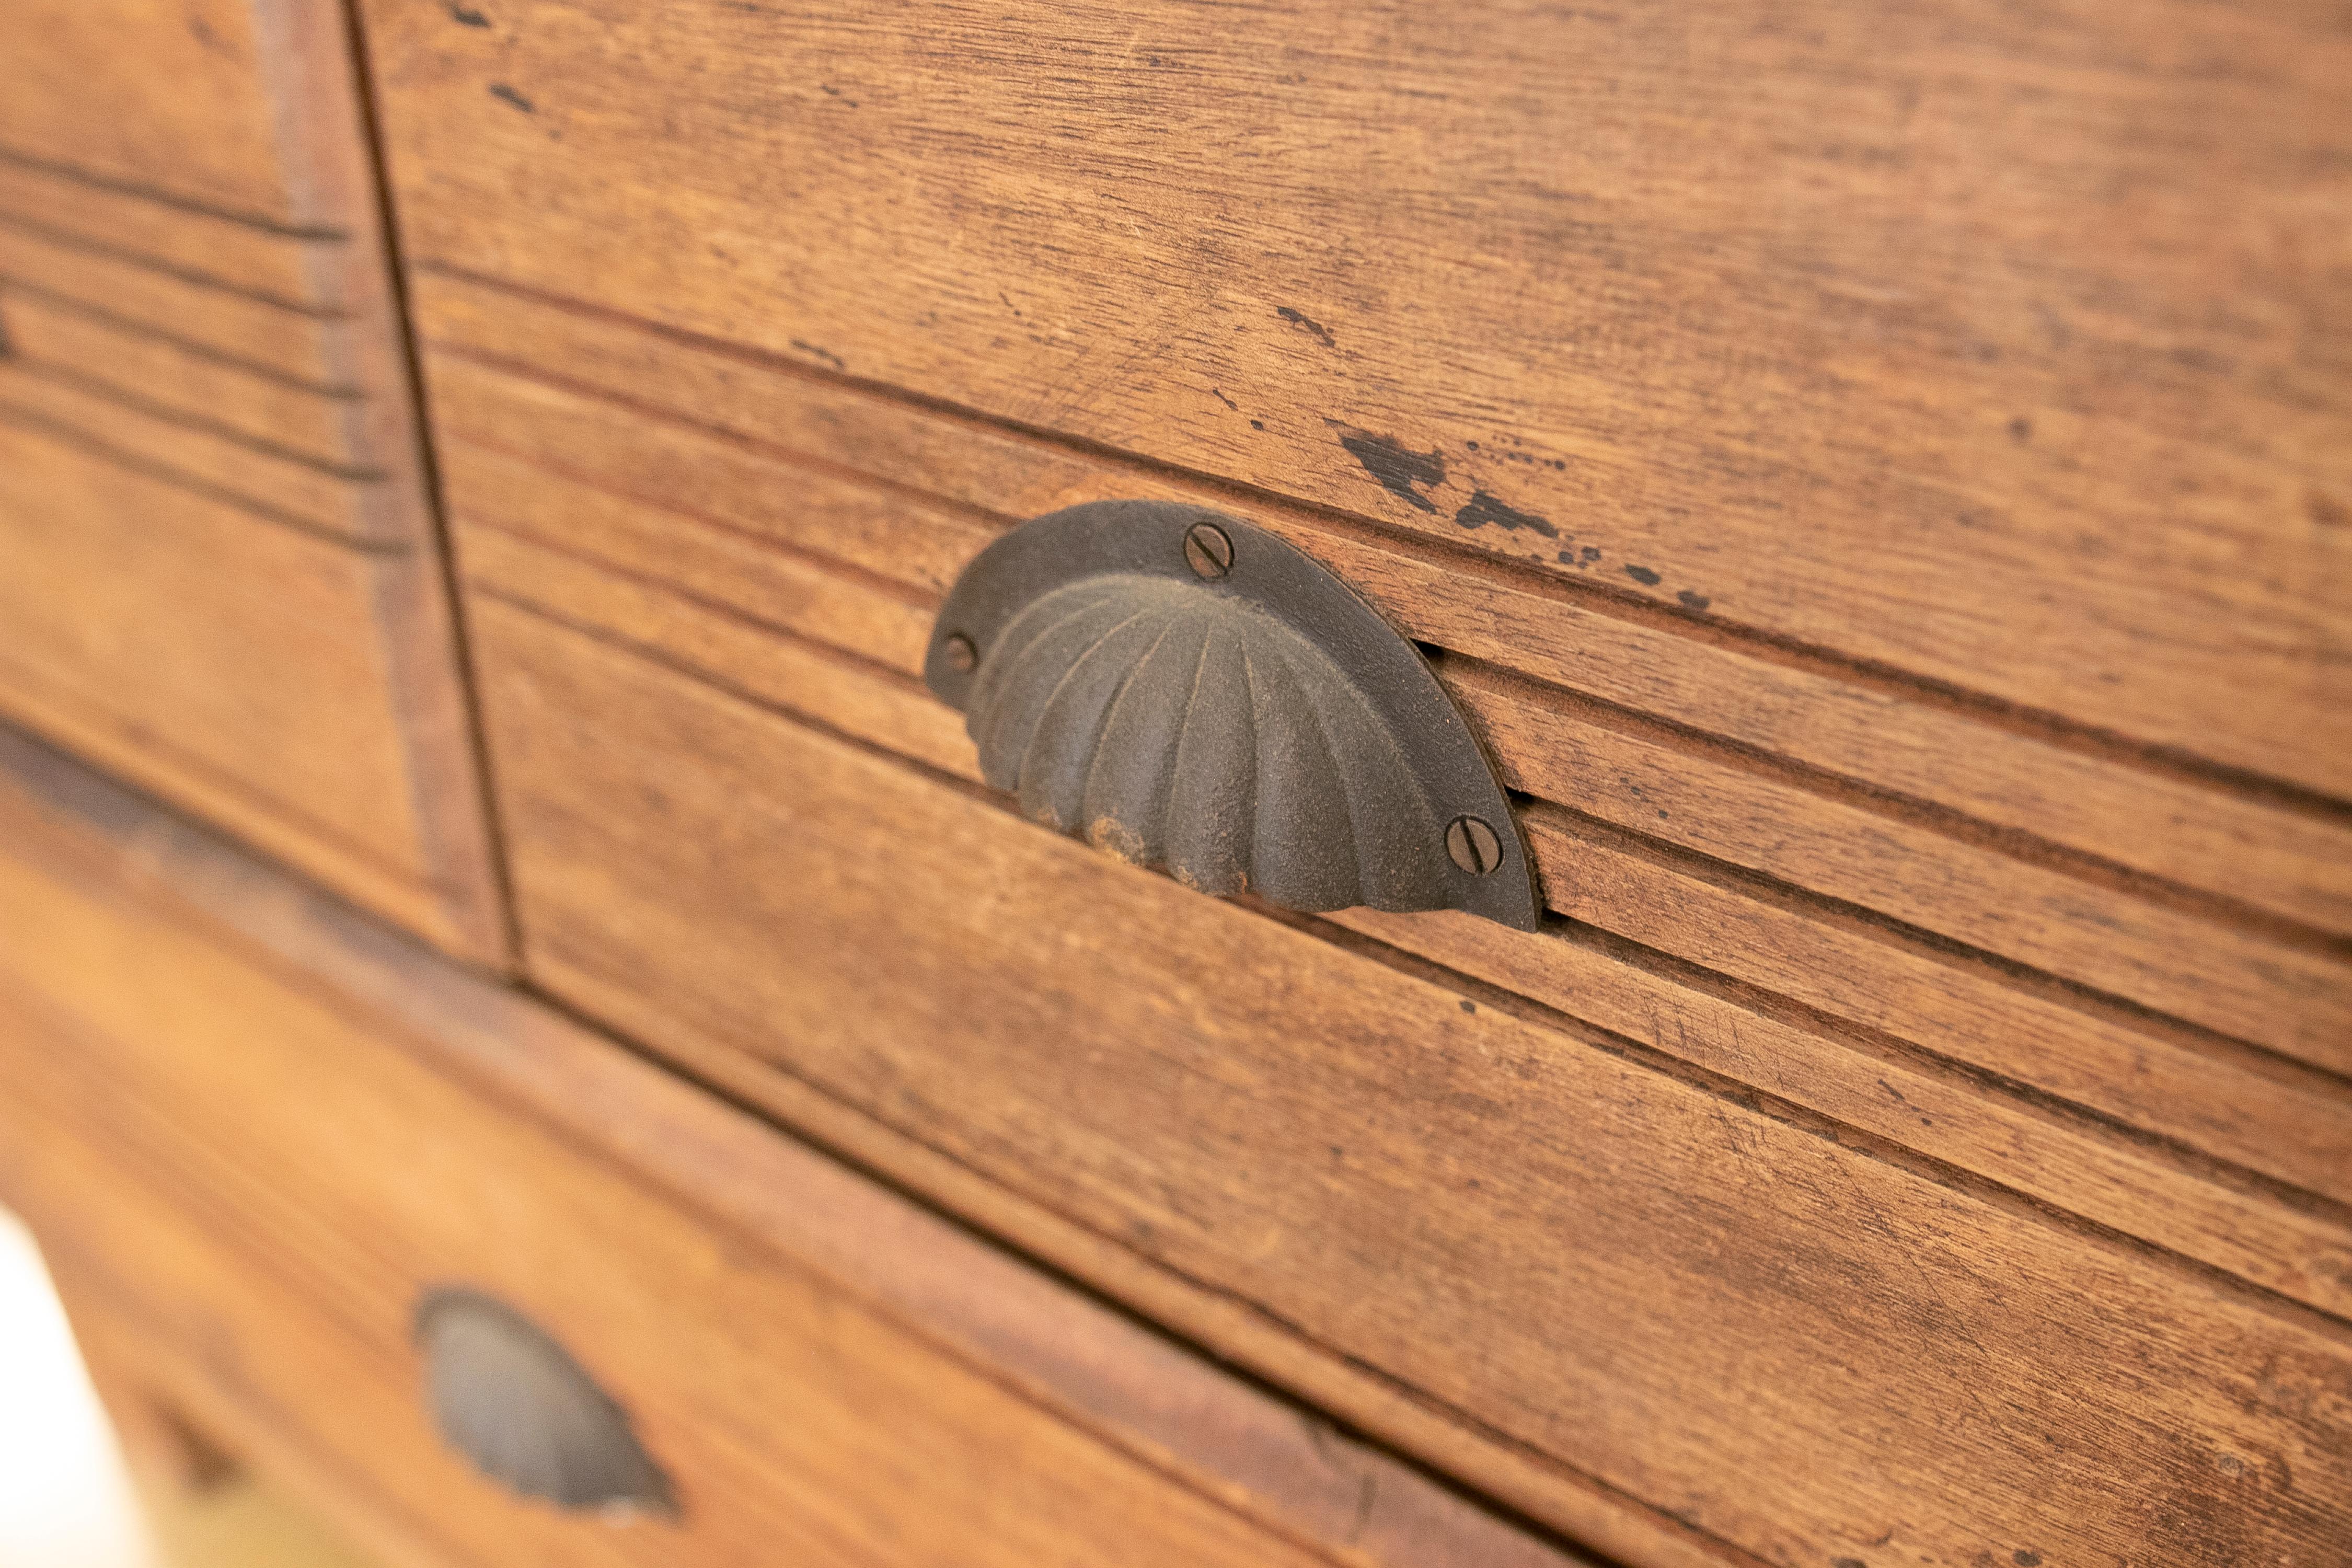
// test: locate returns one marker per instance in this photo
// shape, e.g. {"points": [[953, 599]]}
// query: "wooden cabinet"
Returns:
{"points": [[223, 568], [258, 1156], [1876, 486]]}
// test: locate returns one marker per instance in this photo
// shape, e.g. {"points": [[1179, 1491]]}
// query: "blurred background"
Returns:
{"points": [[66, 1497]]}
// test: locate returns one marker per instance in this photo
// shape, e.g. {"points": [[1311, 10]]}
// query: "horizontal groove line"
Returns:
{"points": [[767, 450], [1718, 1085], [194, 278], [93, 446], [52, 169], [107, 391], [832, 653], [1806, 902], [210, 776], [322, 988], [1946, 822], [1877, 926], [1882, 1045], [912, 595], [1930, 691], [2009, 970], [1924, 1166], [10, 284]]}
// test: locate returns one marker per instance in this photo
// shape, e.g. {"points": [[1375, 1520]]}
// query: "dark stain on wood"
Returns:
{"points": [[1306, 323], [466, 17], [506, 94], [1485, 507], [1694, 601], [1643, 575], [1397, 469], [827, 355]]}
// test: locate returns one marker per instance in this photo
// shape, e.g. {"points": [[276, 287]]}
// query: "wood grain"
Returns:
{"points": [[727, 437], [827, 1370], [300, 344], [1407, 1176], [296, 689], [2000, 349], [729, 521], [203, 248], [81, 93], [246, 475], [2297, 1130], [159, 375]]}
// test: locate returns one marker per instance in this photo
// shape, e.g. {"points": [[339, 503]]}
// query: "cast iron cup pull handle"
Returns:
{"points": [[1193, 693], [528, 1416]]}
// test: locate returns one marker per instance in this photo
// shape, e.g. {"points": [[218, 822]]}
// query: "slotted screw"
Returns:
{"points": [[1472, 845], [1208, 549]]}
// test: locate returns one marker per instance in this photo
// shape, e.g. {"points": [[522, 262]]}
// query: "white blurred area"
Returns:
{"points": [[65, 1500]]}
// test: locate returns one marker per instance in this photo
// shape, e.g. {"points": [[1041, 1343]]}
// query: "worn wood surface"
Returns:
{"points": [[246, 475], [740, 438], [204, 249], [226, 575], [173, 99], [154, 373], [296, 688], [1999, 349], [1764, 1321], [2063, 957], [301, 344], [827, 1371]]}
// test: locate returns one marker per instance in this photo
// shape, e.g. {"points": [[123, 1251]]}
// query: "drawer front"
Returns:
{"points": [[258, 1133], [1927, 1095], [1991, 350], [228, 582], [295, 689]]}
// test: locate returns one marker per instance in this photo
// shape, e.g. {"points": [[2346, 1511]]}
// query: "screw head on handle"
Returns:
{"points": [[1472, 845], [1208, 549]]}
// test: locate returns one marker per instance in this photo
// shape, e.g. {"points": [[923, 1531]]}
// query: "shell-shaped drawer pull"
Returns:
{"points": [[1191, 692], [526, 1414]]}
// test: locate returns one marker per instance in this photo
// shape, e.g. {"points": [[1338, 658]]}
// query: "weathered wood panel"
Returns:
{"points": [[297, 690], [1999, 349], [267, 1129], [1779, 1330]]}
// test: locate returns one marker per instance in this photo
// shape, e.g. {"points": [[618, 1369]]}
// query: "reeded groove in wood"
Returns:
{"points": [[1883, 1045], [1462, 560], [106, 451], [910, 593], [190, 276], [1762, 1102], [1808, 900], [83, 308], [98, 387], [1945, 821], [161, 197], [1864, 921], [1736, 1092], [832, 653]]}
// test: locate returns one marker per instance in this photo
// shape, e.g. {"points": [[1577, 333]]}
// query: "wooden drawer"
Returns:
{"points": [[225, 576], [254, 1132], [1905, 600]]}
